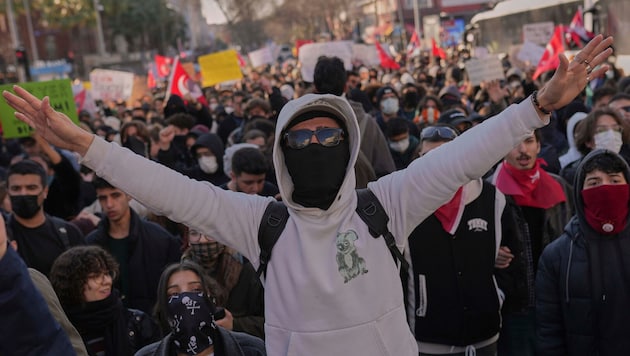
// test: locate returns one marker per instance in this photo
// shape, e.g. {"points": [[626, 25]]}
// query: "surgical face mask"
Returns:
{"points": [[400, 146], [610, 140], [24, 206], [213, 106], [208, 164], [229, 109], [389, 106]]}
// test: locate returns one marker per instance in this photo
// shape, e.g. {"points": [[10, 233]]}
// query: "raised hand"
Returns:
{"points": [[53, 126], [572, 77]]}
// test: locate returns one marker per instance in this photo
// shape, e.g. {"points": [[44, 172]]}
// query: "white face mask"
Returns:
{"points": [[229, 109], [400, 146], [208, 164], [389, 106], [610, 140]]}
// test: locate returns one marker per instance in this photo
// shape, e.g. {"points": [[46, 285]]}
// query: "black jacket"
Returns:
{"points": [[151, 249], [583, 288], [64, 192]]}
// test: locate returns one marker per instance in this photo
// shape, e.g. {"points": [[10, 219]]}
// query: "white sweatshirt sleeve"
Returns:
{"points": [[411, 195], [230, 218]]}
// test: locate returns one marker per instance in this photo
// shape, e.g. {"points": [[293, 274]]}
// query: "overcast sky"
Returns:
{"points": [[211, 12]]}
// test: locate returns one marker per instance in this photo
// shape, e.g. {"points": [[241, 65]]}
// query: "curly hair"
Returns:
{"points": [[71, 269]]}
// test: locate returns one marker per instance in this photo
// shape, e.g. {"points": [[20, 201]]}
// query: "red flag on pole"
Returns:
{"points": [[241, 61], [576, 31], [386, 60], [163, 65], [437, 51], [550, 60], [414, 43], [151, 80], [182, 85]]}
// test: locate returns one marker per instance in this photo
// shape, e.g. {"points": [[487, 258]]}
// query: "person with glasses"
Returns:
{"points": [[83, 278], [451, 275], [315, 303], [602, 128], [141, 248], [233, 283]]}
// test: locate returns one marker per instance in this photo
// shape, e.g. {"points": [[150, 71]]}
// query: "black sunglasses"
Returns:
{"points": [[326, 136], [438, 132]]}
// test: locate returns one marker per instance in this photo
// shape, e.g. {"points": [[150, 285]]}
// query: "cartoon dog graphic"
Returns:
{"points": [[350, 264]]}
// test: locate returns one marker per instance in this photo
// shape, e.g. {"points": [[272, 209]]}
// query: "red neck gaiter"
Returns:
{"points": [[606, 207], [530, 187], [450, 213]]}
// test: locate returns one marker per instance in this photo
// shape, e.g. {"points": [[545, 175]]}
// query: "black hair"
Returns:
{"points": [[602, 92], [620, 96], [329, 76], [182, 120], [162, 289], [27, 166], [100, 183], [396, 126], [249, 160], [607, 163]]}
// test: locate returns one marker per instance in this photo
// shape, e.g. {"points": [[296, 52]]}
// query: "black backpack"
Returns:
{"points": [[368, 207]]}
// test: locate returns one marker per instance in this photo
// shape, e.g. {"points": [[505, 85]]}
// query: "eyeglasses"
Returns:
{"points": [[327, 137], [438, 132], [625, 108], [604, 128], [195, 236], [100, 276]]}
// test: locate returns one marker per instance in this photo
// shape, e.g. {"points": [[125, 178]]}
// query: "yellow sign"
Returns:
{"points": [[219, 67]]}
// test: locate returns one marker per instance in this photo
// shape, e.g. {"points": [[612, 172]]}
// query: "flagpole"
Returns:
{"points": [[170, 78], [416, 17]]}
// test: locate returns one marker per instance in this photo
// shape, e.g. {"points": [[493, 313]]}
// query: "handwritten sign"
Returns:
{"points": [[365, 55], [538, 33], [261, 57], [309, 53], [111, 84], [61, 99], [483, 70], [530, 53], [219, 67]]}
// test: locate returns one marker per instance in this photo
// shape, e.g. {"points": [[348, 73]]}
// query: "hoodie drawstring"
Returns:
{"points": [[569, 271], [470, 351]]}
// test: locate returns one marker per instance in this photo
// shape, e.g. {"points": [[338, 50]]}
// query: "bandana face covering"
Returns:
{"points": [[207, 253], [190, 318], [606, 207], [317, 173], [530, 187]]}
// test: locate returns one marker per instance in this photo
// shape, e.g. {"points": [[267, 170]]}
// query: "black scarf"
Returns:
{"points": [[104, 318], [317, 173]]}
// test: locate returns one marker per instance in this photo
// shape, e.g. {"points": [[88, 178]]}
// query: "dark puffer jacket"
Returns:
{"points": [[583, 288]]}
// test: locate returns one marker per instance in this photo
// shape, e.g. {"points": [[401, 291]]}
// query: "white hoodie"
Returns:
{"points": [[331, 288]]}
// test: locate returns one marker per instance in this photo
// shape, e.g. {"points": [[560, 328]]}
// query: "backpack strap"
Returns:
{"points": [[271, 226], [61, 230], [374, 216]]}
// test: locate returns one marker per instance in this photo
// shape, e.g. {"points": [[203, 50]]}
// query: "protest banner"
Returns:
{"points": [[309, 53], [366, 55], [260, 57], [111, 84], [484, 70], [538, 33], [219, 67], [61, 99], [530, 53]]}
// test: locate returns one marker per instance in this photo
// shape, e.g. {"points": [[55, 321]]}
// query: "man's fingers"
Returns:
{"points": [[31, 99], [25, 119]]}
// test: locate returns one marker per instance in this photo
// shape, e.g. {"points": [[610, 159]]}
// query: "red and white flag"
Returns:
{"points": [[576, 32], [550, 60], [182, 85], [414, 43], [386, 61], [437, 51], [151, 83], [163, 65]]}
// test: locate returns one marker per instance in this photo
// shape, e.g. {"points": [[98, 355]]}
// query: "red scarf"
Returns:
{"points": [[606, 207], [530, 187], [450, 213]]}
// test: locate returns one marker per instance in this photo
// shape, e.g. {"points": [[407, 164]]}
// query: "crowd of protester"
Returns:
{"points": [[125, 276]]}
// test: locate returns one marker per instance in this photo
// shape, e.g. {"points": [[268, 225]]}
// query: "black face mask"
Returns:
{"points": [[317, 173], [190, 316], [24, 206], [410, 99], [136, 145]]}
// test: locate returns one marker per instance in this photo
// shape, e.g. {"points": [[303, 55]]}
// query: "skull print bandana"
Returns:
{"points": [[190, 318]]}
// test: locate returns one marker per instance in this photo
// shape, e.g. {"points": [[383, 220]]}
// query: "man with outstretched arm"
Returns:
{"points": [[331, 289]]}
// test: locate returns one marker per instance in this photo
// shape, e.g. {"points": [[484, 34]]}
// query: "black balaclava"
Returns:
{"points": [[317, 171]]}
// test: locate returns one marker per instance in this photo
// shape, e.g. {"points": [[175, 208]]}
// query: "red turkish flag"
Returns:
{"points": [[386, 60], [182, 85], [163, 65], [414, 43], [550, 60], [437, 51]]}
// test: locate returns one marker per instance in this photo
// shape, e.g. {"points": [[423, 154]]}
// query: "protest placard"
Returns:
{"points": [[366, 55], [261, 57], [538, 33], [530, 53], [219, 67], [309, 53], [61, 99], [110, 84], [484, 70]]}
